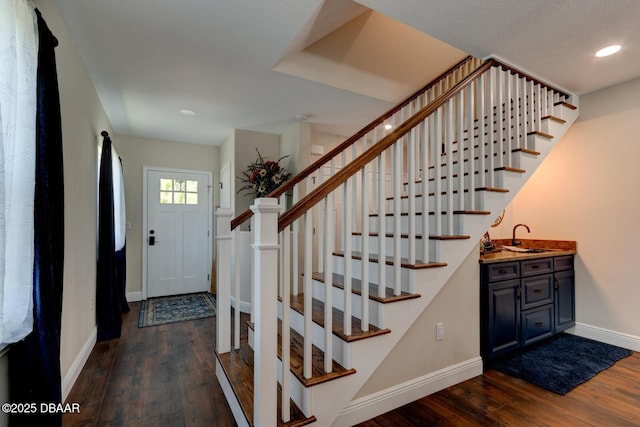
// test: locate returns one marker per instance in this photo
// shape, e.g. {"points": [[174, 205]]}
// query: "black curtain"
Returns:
{"points": [[34, 363], [110, 297]]}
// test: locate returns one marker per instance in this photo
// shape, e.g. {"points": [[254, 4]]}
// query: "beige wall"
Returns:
{"points": [[587, 190], [82, 120], [418, 353], [246, 143], [139, 152]]}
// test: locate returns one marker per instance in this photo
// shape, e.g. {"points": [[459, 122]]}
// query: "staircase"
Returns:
{"points": [[395, 212]]}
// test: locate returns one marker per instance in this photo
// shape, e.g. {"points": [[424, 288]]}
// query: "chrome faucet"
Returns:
{"points": [[514, 242]]}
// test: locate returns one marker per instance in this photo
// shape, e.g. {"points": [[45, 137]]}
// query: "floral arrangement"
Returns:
{"points": [[263, 176]]}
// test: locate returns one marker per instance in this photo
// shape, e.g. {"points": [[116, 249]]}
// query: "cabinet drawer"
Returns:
{"points": [[503, 271], [536, 291], [536, 266], [537, 324], [563, 262]]}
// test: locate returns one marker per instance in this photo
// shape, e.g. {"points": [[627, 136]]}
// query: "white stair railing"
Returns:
{"points": [[311, 177], [440, 157]]}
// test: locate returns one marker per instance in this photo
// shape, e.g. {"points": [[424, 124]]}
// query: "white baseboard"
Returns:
{"points": [[76, 367], [134, 296], [371, 406], [607, 336], [245, 307]]}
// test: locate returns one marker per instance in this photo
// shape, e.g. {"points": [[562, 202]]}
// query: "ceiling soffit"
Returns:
{"points": [[347, 46]]}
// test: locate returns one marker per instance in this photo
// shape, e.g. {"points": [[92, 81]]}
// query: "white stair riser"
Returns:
{"points": [[340, 348], [356, 302], [405, 273], [374, 242], [459, 203], [404, 224], [438, 249]]}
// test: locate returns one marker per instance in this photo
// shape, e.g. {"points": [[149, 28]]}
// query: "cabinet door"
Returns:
{"points": [[565, 304], [503, 324]]}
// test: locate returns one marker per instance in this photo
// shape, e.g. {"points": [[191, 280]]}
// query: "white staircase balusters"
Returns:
{"points": [[285, 381], [424, 185], [382, 213], [438, 159], [364, 226]]}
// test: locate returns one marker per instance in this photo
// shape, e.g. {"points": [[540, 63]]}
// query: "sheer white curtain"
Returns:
{"points": [[18, 82], [119, 207]]}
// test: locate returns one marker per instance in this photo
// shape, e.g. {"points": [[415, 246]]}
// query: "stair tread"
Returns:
{"points": [[526, 150], [554, 118], [493, 189], [318, 375], [431, 236], [356, 288], [566, 104], [404, 262], [463, 212], [540, 133], [317, 314], [238, 368]]}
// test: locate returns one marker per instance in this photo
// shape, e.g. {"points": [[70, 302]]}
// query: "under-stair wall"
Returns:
{"points": [[468, 150]]}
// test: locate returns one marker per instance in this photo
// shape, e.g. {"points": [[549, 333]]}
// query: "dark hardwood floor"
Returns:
{"points": [[165, 376], [155, 376]]}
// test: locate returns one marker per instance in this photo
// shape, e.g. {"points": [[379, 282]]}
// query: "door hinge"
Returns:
{"points": [[208, 277], [208, 233]]}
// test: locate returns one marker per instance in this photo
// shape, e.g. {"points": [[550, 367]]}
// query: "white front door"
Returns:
{"points": [[177, 233]]}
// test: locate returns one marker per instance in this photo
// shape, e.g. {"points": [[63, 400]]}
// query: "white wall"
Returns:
{"points": [[587, 190], [139, 152]]}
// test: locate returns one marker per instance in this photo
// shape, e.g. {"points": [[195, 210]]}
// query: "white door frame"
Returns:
{"points": [[145, 170]]}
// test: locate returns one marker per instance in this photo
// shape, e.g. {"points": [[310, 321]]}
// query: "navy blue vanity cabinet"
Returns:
{"points": [[524, 301]]}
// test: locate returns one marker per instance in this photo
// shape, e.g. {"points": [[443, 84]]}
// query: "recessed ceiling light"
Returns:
{"points": [[387, 127], [609, 50], [188, 113]]}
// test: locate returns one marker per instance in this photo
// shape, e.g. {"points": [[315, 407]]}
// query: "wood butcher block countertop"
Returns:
{"points": [[552, 248]]}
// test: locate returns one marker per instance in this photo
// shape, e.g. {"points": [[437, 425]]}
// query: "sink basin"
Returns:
{"points": [[523, 250]]}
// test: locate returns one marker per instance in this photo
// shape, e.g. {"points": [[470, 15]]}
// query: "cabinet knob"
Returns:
{"points": [[537, 291], [539, 324]]}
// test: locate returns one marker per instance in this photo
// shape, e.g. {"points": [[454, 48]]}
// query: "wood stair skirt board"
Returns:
{"points": [[331, 401]]}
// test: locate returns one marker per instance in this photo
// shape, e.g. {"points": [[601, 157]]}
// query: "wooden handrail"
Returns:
{"points": [[530, 77], [352, 168], [300, 176]]}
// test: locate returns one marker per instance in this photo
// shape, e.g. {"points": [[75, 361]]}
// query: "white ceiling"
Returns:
{"points": [[150, 58]]}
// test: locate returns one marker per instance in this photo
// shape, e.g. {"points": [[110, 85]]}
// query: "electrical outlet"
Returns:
{"points": [[439, 331]]}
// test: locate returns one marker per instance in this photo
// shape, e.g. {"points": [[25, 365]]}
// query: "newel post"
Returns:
{"points": [[265, 274], [223, 282]]}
